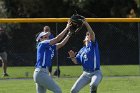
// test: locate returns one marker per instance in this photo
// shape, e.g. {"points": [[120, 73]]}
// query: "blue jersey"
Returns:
{"points": [[51, 36], [45, 53], [89, 57]]}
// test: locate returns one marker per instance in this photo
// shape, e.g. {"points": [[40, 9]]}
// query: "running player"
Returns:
{"points": [[45, 49], [89, 57]]}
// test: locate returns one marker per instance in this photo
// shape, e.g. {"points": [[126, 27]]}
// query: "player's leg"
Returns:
{"points": [[50, 70], [49, 84], [4, 63], [40, 89], [37, 79], [95, 80], [42, 78], [82, 81]]}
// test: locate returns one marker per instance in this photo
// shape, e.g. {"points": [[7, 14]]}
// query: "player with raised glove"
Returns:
{"points": [[46, 49], [89, 57]]}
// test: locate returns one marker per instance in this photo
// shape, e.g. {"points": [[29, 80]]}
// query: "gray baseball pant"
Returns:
{"points": [[94, 78], [3, 56], [44, 81]]}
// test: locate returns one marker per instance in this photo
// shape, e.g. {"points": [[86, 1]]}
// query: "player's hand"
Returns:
{"points": [[68, 25], [72, 54], [70, 33], [84, 21]]}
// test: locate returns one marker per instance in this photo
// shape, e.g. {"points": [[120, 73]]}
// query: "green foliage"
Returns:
{"points": [[107, 8], [35, 8], [65, 8]]}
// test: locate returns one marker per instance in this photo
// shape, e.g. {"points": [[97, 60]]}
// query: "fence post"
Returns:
{"points": [[57, 53], [138, 5], [139, 44]]}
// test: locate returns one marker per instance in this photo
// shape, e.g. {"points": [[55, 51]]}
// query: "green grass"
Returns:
{"points": [[127, 82], [108, 85], [75, 71], [116, 70]]}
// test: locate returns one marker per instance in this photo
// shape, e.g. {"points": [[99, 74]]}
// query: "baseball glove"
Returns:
{"points": [[77, 22]]}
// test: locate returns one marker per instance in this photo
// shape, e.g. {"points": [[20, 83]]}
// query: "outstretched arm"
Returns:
{"points": [[61, 35], [64, 41], [92, 34]]}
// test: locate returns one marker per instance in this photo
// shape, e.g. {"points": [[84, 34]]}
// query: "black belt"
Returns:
{"points": [[90, 70]]}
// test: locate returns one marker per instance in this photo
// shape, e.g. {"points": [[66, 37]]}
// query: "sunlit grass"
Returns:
{"points": [[108, 85], [75, 71]]}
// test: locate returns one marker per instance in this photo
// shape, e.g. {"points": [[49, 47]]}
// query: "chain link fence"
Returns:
{"points": [[118, 43]]}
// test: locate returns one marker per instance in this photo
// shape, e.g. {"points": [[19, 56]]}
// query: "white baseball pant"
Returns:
{"points": [[94, 78], [44, 81]]}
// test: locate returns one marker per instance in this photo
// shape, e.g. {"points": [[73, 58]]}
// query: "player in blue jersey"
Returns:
{"points": [[47, 29], [89, 57], [45, 51]]}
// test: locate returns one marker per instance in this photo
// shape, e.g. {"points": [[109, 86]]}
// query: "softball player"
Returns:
{"points": [[47, 29], [45, 51], [3, 52], [89, 57], [51, 36]]}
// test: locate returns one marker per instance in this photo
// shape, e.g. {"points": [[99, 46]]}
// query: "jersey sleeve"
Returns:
{"points": [[78, 58], [45, 43], [92, 44], [51, 36]]}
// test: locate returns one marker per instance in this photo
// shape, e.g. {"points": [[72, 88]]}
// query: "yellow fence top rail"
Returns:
{"points": [[40, 20]]}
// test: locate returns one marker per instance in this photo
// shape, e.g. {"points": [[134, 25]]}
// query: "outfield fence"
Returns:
{"points": [[118, 40]]}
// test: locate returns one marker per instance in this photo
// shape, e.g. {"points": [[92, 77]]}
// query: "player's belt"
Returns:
{"points": [[90, 70], [41, 69]]}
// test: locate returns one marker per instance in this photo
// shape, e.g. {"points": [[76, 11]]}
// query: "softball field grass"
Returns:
{"points": [[117, 79]]}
